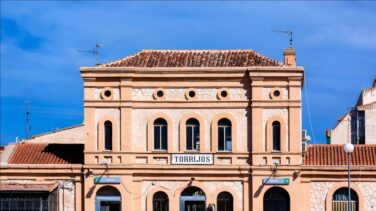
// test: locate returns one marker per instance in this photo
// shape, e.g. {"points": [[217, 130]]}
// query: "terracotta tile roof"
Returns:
{"points": [[194, 58], [17, 187], [334, 155], [47, 154]]}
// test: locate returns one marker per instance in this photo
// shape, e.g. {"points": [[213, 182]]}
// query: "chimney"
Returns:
{"points": [[374, 82], [289, 57]]}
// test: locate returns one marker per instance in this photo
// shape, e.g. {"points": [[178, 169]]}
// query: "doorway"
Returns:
{"points": [[108, 199], [276, 199], [192, 199]]}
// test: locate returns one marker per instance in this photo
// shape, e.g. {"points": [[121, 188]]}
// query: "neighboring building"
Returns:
{"points": [[187, 130], [359, 125]]}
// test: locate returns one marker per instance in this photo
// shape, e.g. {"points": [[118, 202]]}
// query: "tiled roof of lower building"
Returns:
{"points": [[334, 155], [21, 187], [48, 154], [194, 58]]}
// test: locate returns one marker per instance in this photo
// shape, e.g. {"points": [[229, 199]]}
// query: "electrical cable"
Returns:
{"points": [[309, 112]]}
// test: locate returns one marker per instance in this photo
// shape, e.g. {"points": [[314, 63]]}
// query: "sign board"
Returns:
{"points": [[106, 180], [192, 159], [276, 181]]}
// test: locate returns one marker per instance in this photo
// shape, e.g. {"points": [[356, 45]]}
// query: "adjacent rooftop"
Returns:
{"points": [[334, 155]]}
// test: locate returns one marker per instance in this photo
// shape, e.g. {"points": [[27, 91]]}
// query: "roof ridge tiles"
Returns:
{"points": [[194, 58]]}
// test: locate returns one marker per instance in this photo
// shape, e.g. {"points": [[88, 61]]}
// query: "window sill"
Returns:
{"points": [[159, 151]]}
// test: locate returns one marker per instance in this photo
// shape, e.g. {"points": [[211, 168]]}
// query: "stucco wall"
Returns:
{"points": [[179, 93], [340, 134], [141, 116]]}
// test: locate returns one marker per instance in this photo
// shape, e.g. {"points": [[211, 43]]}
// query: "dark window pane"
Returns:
{"points": [[197, 137], [157, 135], [164, 138], [108, 135], [221, 135], [189, 138], [228, 139], [276, 136]]}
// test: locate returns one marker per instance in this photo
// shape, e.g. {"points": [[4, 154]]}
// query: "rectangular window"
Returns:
{"points": [[224, 138]]}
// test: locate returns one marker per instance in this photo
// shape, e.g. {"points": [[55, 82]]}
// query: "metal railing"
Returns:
{"points": [[343, 206]]}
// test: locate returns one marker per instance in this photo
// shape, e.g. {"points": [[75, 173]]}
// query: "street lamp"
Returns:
{"points": [[349, 148]]}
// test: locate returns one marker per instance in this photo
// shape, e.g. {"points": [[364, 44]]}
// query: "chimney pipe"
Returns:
{"points": [[289, 58]]}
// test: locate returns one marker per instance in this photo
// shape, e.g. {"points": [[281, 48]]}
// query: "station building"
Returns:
{"points": [[187, 130]]}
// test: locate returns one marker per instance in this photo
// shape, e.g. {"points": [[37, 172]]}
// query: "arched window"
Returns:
{"points": [[340, 200], [108, 198], [224, 135], [108, 135], [225, 202], [276, 198], [160, 134], [192, 134], [276, 127], [160, 201]]}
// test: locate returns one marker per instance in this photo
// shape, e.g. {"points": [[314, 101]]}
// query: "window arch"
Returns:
{"points": [[224, 137], [340, 199], [108, 135], [276, 135], [160, 134], [192, 134], [160, 201], [225, 202]]}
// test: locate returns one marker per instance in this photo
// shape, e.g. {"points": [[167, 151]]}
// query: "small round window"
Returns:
{"points": [[223, 94], [276, 93], [191, 94], [159, 94], [107, 93]]}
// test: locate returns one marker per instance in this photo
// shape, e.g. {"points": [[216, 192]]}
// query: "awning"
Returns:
{"points": [[27, 187]]}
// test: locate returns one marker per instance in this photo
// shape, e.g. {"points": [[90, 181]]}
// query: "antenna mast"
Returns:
{"points": [[28, 127], [289, 32], [94, 51]]}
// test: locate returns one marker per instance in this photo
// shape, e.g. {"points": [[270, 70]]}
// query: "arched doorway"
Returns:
{"points": [[192, 199], [276, 199], [108, 198], [341, 199]]}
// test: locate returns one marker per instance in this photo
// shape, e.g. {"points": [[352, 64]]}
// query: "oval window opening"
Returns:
{"points": [[160, 93], [107, 93], [224, 94], [192, 94], [276, 93]]}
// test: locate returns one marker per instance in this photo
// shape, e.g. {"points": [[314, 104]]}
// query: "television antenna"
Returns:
{"points": [[94, 51], [288, 32], [27, 112]]}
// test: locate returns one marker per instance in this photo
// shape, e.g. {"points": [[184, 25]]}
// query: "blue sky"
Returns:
{"points": [[334, 41]]}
